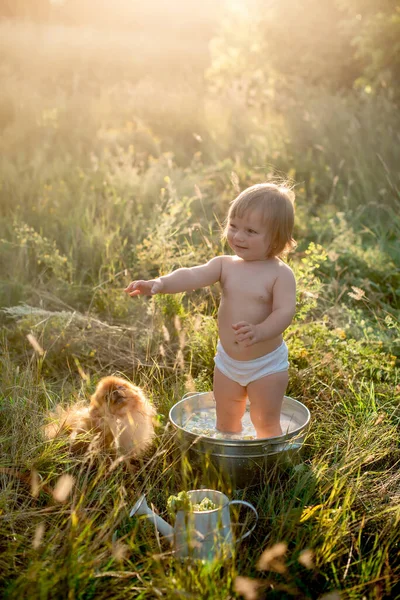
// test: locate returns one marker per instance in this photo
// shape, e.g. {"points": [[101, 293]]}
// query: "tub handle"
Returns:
{"points": [[244, 503]]}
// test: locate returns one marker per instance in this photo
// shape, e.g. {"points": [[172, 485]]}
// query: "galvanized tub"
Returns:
{"points": [[240, 461]]}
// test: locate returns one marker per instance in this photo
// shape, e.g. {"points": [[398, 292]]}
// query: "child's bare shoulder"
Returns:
{"points": [[283, 270], [227, 259], [284, 267]]}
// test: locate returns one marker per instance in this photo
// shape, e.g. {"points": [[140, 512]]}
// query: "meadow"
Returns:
{"points": [[118, 161]]}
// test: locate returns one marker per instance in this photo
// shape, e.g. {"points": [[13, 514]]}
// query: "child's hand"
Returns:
{"points": [[146, 288], [246, 333]]}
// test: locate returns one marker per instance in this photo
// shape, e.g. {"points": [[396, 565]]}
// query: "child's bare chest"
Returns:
{"points": [[248, 282]]}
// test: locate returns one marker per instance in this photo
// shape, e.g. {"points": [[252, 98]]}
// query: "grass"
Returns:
{"points": [[129, 174]]}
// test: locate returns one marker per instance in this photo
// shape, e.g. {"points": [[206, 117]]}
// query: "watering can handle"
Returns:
{"points": [[254, 511]]}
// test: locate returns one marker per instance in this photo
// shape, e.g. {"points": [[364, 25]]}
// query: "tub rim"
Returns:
{"points": [[279, 439]]}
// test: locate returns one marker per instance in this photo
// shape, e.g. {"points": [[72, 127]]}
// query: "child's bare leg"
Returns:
{"points": [[230, 398], [266, 397]]}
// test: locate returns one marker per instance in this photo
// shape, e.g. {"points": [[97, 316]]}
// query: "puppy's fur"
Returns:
{"points": [[119, 417]]}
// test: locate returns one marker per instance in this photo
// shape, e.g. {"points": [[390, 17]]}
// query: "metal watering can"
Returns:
{"points": [[204, 535]]}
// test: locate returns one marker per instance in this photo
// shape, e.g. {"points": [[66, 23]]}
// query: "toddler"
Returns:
{"points": [[257, 304]]}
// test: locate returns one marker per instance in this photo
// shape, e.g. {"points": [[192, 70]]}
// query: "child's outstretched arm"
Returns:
{"points": [[283, 309], [181, 280]]}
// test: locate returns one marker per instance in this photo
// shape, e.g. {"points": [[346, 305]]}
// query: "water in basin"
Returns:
{"points": [[202, 422]]}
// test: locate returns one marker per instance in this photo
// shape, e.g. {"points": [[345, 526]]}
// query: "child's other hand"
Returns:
{"points": [[145, 288], [246, 334]]}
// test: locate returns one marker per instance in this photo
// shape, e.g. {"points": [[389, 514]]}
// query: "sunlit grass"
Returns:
{"points": [[113, 167], [335, 505]]}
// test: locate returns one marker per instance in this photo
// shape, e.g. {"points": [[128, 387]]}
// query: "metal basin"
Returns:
{"points": [[241, 461]]}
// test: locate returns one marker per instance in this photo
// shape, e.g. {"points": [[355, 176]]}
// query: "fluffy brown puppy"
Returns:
{"points": [[119, 417]]}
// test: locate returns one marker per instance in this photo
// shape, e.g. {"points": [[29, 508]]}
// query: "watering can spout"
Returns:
{"points": [[141, 508]]}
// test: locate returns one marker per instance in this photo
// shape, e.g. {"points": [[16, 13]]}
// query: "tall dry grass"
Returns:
{"points": [[115, 163]]}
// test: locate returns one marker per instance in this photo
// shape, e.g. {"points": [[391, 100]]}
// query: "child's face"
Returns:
{"points": [[247, 237]]}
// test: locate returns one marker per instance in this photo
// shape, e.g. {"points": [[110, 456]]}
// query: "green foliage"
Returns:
{"points": [[308, 285], [376, 40], [333, 45], [37, 253], [108, 176]]}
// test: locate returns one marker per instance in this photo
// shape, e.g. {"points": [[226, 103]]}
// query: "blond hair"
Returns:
{"points": [[275, 203]]}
